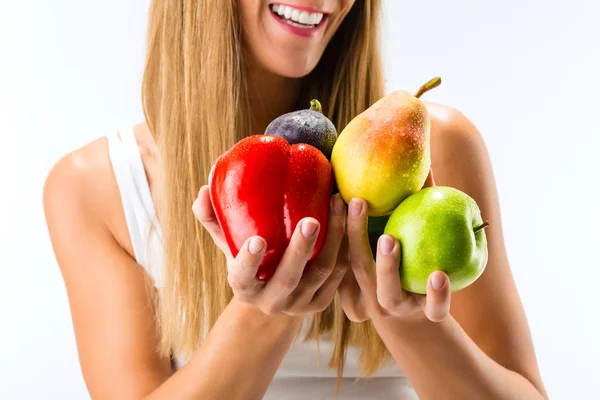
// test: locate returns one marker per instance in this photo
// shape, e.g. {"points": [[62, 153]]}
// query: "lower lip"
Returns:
{"points": [[305, 32]]}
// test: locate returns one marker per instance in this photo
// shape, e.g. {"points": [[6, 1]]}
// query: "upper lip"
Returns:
{"points": [[302, 7]]}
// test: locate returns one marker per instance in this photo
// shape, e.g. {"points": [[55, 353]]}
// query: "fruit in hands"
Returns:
{"points": [[306, 126], [439, 228], [383, 154], [264, 186]]}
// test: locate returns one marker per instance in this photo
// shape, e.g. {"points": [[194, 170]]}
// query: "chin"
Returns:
{"points": [[290, 66]]}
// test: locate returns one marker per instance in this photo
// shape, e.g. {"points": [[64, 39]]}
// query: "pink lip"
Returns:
{"points": [[306, 32]]}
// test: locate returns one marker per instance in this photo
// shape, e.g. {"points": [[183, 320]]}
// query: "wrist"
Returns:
{"points": [[254, 316], [417, 326]]}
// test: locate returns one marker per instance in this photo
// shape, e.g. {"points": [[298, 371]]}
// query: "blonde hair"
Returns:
{"points": [[194, 61]]}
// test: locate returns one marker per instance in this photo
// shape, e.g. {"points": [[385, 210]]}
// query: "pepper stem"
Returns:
{"points": [[433, 83], [315, 105], [480, 227]]}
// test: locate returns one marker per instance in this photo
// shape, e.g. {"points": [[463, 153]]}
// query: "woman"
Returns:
{"points": [[196, 323]]}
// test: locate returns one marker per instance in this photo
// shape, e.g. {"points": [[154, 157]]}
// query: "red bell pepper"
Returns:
{"points": [[263, 186]]}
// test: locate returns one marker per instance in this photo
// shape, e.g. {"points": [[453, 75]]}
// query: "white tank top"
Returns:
{"points": [[303, 373]]}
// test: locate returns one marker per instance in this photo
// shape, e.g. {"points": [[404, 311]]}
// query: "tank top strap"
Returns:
{"points": [[138, 206]]}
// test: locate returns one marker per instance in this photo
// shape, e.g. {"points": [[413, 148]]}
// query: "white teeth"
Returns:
{"points": [[298, 25], [297, 16], [288, 12], [303, 19]]}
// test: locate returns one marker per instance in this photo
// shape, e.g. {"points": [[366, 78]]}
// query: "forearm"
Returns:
{"points": [[237, 360], [442, 362]]}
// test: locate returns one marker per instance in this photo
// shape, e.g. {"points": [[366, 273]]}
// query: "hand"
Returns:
{"points": [[298, 286], [373, 290]]}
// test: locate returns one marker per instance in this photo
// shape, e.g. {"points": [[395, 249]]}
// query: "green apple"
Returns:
{"points": [[439, 228]]}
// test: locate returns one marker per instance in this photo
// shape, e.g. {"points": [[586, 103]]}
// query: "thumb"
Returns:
{"points": [[205, 213], [437, 301]]}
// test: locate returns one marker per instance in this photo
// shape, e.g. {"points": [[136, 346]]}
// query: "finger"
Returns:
{"points": [[350, 295], [351, 298], [324, 296], [429, 182], [242, 271], [319, 269], [290, 269], [361, 256], [389, 290], [437, 301], [205, 213], [325, 293]]}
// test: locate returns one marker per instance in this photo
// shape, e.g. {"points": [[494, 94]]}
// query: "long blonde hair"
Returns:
{"points": [[194, 62]]}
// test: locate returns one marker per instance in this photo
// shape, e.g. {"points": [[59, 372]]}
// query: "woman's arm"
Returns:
{"points": [[112, 308], [485, 347], [483, 350], [443, 362], [237, 360]]}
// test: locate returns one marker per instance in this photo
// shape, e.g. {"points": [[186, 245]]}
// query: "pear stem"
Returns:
{"points": [[433, 83], [315, 105], [480, 227]]}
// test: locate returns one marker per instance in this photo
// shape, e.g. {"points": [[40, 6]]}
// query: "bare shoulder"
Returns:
{"points": [[80, 175], [450, 126], [459, 154], [80, 192], [79, 180]]}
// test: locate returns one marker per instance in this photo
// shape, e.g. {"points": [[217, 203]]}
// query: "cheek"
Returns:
{"points": [[251, 19], [249, 12]]}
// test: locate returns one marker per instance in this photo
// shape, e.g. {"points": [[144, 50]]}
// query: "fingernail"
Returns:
{"points": [[356, 207], [338, 204], [256, 246], [438, 281], [309, 227], [386, 244]]}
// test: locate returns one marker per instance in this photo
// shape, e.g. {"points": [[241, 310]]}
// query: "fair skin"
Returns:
{"points": [[475, 346]]}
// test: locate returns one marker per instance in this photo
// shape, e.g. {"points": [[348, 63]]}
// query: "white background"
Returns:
{"points": [[525, 71]]}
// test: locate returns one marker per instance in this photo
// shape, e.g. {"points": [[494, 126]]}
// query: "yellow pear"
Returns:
{"points": [[383, 155]]}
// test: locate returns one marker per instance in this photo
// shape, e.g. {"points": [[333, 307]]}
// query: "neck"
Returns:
{"points": [[270, 96]]}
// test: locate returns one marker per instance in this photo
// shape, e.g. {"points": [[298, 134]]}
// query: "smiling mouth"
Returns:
{"points": [[296, 17]]}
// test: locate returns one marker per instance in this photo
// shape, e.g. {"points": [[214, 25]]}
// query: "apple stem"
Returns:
{"points": [[482, 226], [315, 105], [433, 83]]}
